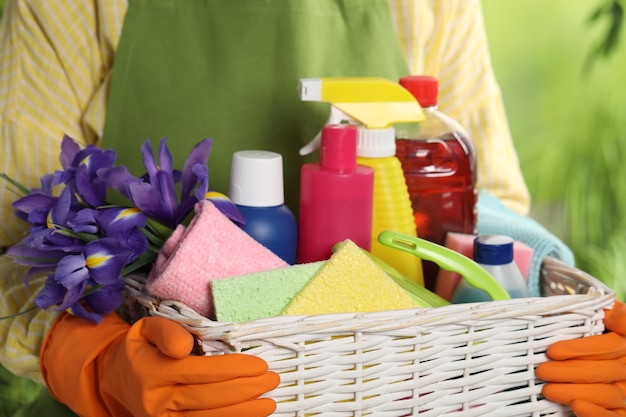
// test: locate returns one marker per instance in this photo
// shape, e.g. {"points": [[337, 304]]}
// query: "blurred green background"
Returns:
{"points": [[568, 120], [567, 114]]}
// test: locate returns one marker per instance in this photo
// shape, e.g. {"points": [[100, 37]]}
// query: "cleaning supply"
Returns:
{"points": [[212, 247], [421, 295], [439, 164], [335, 197], [495, 218], [115, 369], [588, 373], [262, 294], [349, 282], [256, 187], [464, 244], [391, 209], [447, 259], [495, 254], [375, 104]]}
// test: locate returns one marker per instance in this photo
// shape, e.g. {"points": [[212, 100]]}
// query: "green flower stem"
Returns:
{"points": [[22, 190], [158, 228], [19, 313], [143, 260]]}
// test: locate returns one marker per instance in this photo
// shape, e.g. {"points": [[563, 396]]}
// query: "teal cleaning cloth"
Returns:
{"points": [[494, 218]]}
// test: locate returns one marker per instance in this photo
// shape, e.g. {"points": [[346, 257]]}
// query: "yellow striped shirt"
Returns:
{"points": [[55, 66]]}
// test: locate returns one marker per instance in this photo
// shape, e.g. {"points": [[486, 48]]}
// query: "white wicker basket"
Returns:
{"points": [[468, 359]]}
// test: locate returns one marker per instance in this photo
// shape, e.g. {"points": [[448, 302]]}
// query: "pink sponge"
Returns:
{"points": [[464, 244], [210, 248]]}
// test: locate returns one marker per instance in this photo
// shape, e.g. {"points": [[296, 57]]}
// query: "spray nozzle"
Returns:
{"points": [[375, 103]]}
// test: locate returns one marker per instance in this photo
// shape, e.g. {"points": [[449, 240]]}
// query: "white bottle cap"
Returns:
{"points": [[256, 179], [376, 143]]}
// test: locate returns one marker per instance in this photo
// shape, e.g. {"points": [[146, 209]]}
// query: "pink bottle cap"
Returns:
{"points": [[338, 148]]}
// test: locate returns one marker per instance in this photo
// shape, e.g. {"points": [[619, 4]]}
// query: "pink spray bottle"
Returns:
{"points": [[335, 197]]}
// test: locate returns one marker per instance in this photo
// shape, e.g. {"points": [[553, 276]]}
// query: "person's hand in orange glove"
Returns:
{"points": [[589, 373], [113, 369]]}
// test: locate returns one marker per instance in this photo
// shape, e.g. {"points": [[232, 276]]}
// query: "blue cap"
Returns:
{"points": [[493, 250]]}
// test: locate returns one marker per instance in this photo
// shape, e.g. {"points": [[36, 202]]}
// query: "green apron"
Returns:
{"points": [[229, 70]]}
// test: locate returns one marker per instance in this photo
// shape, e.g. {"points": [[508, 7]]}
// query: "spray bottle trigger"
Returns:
{"points": [[337, 116], [312, 145]]}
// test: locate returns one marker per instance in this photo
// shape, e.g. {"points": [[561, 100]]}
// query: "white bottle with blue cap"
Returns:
{"points": [[495, 254]]}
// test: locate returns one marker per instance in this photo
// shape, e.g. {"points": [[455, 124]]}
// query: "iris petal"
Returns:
{"points": [[71, 271], [79, 311], [165, 157], [52, 240], [69, 149], [91, 188], [53, 293], [148, 200], [24, 254], [199, 155], [85, 221], [226, 206], [135, 241], [118, 178], [167, 189], [202, 173], [107, 298], [35, 272], [60, 210], [120, 220], [72, 296], [148, 160], [34, 202], [105, 259]]}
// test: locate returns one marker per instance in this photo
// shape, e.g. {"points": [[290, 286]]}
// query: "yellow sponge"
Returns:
{"points": [[349, 282]]}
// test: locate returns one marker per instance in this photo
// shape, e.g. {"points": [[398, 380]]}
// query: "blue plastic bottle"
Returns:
{"points": [[256, 187], [495, 254]]}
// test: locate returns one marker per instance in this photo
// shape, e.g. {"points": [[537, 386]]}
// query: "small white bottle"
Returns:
{"points": [[495, 254]]}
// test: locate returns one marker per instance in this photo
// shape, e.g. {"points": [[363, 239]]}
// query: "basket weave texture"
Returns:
{"points": [[459, 360]]}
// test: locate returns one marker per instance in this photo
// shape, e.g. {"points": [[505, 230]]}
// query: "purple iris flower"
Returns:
{"points": [[156, 193], [101, 260], [90, 188], [99, 266], [81, 168], [85, 244], [69, 150], [30, 255], [124, 224], [103, 301], [34, 207], [49, 218]]}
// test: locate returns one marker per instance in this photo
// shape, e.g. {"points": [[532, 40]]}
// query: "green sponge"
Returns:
{"points": [[262, 294]]}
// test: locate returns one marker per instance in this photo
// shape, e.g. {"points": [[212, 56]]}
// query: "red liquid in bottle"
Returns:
{"points": [[441, 181], [439, 164]]}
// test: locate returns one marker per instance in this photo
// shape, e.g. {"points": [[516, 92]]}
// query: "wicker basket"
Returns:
{"points": [[468, 359]]}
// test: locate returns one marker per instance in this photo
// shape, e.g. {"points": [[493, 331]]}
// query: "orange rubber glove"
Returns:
{"points": [[113, 369], [589, 373]]}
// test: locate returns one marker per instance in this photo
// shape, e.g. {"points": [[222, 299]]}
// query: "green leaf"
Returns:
{"points": [[158, 228], [22, 191], [143, 260]]}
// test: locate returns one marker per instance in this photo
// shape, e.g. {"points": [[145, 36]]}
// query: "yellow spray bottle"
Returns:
{"points": [[375, 104]]}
